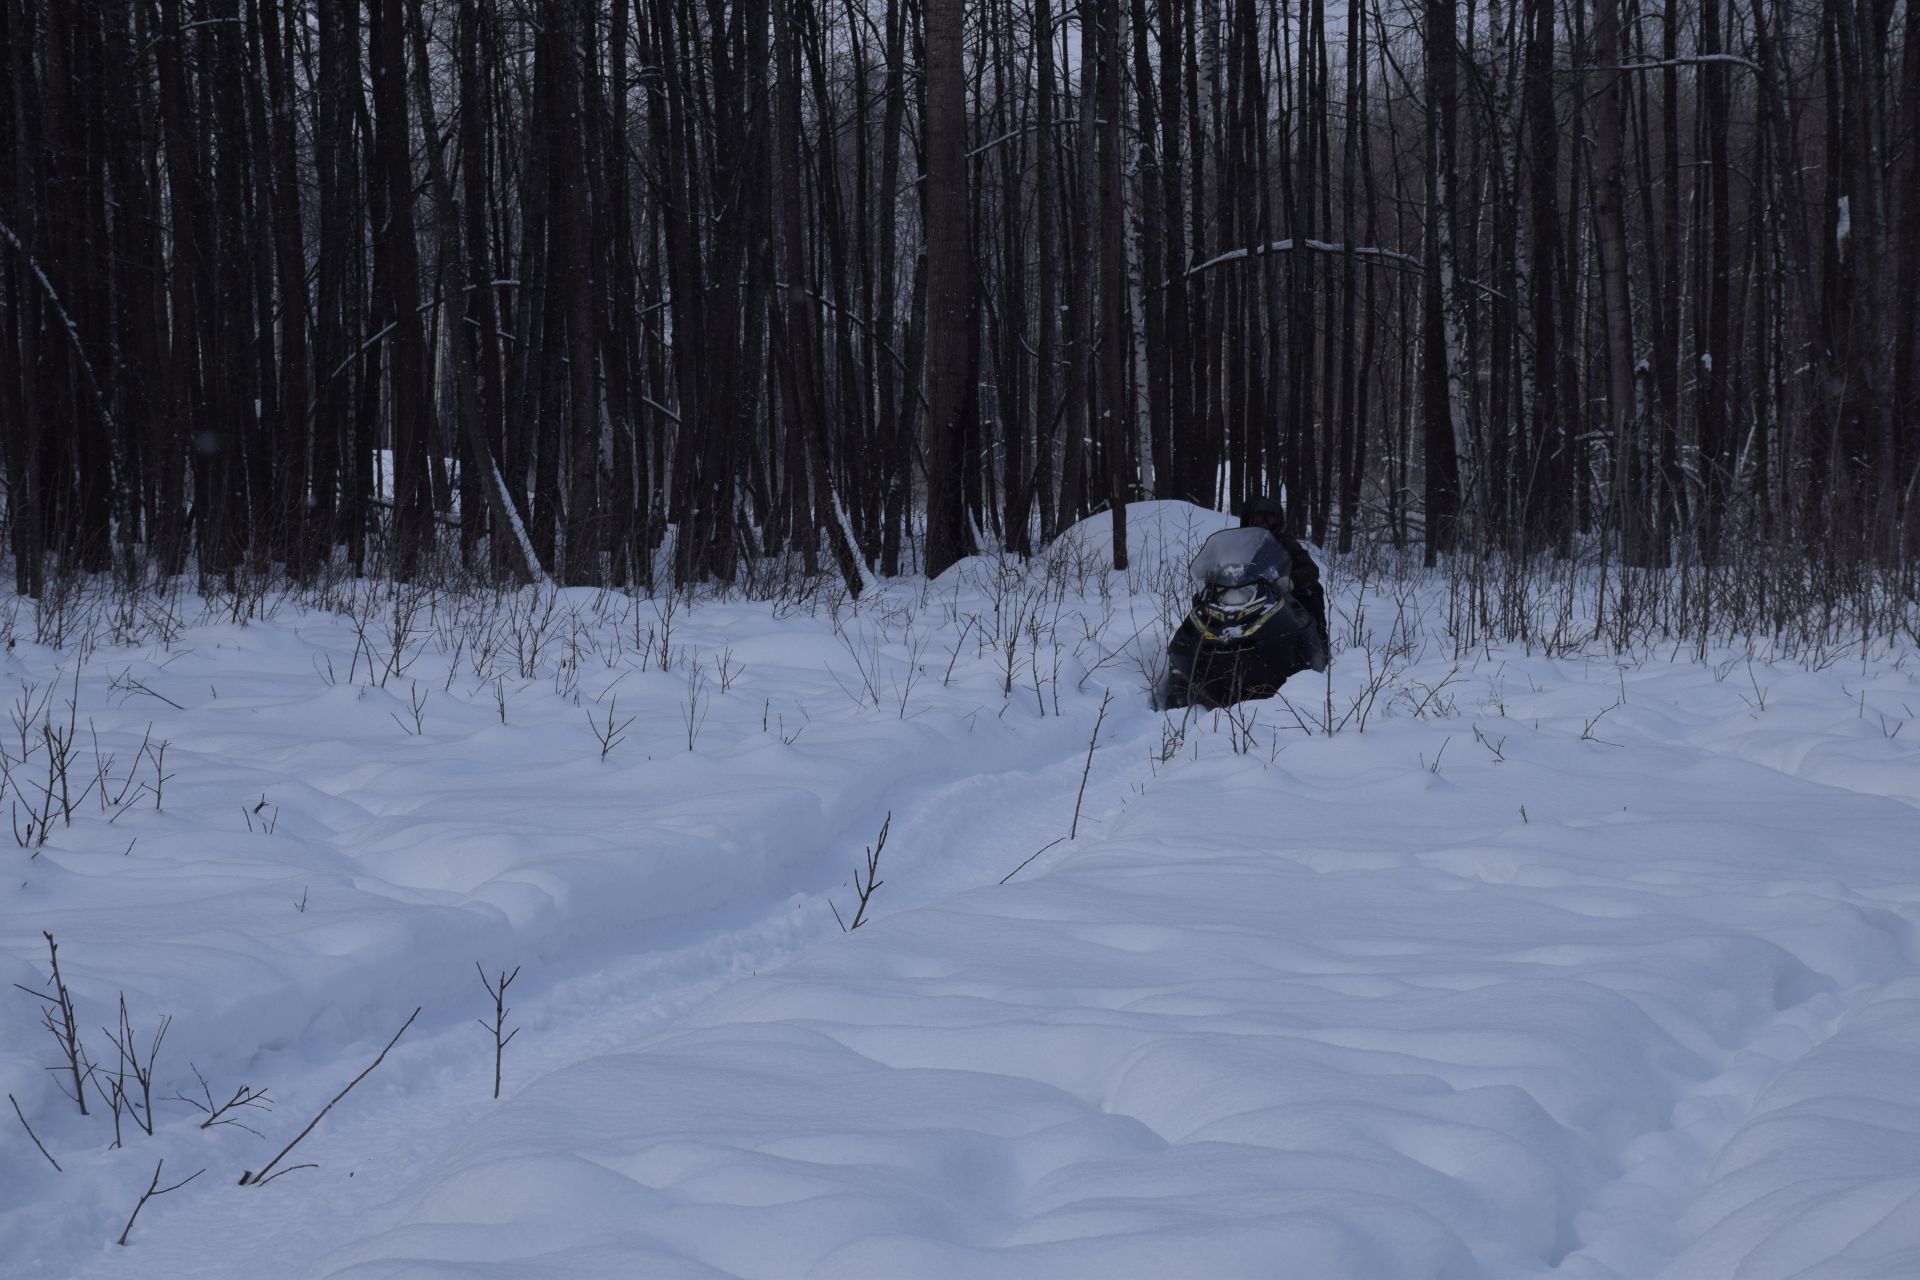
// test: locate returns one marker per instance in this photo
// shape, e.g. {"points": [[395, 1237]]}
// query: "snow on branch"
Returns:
{"points": [[73, 330], [1691, 60], [1408, 261], [1387, 257]]}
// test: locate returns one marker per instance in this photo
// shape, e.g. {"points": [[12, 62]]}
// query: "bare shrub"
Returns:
{"points": [[228, 1112], [154, 1189], [497, 988], [63, 1025], [865, 888]]}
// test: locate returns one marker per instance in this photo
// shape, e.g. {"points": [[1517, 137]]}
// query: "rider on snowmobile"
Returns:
{"points": [[1269, 515]]}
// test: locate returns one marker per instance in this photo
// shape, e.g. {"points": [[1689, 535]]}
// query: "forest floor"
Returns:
{"points": [[1583, 963]]}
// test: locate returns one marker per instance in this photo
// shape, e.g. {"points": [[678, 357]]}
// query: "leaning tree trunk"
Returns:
{"points": [[467, 387]]}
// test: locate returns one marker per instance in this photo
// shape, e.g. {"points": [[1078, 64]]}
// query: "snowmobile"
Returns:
{"points": [[1246, 633]]}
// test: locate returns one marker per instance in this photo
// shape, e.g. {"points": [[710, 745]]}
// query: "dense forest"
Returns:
{"points": [[605, 289]]}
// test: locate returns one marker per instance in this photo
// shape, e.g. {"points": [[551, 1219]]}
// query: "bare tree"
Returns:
{"points": [[775, 279]]}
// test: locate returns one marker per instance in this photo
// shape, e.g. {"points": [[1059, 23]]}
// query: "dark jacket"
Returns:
{"points": [[1269, 514], [1305, 572]]}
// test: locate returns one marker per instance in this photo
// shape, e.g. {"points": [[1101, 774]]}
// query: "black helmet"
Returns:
{"points": [[1263, 511]]}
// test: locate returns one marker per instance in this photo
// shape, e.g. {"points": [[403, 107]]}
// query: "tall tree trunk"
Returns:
{"points": [[336, 168], [948, 250], [570, 257], [290, 258], [1542, 504], [797, 343], [894, 433], [1610, 240], [1443, 407], [1714, 358], [406, 346]]}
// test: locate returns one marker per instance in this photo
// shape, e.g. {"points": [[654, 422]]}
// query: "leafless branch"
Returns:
{"points": [[154, 1189], [142, 1069], [612, 733], [1073, 832], [865, 888], [66, 1028], [216, 1112], [498, 990], [1030, 857], [34, 1136], [266, 1174]]}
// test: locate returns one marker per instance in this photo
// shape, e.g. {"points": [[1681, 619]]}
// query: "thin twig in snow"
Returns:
{"points": [[154, 1189], [34, 1136], [251, 1179], [1073, 832], [498, 990], [1030, 857]]}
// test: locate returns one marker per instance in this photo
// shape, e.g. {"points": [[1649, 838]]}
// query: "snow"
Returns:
{"points": [[1491, 989]]}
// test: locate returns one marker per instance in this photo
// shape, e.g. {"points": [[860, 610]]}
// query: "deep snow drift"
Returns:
{"points": [[1578, 965]]}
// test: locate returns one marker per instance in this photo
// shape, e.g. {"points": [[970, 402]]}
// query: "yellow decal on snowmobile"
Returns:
{"points": [[1207, 633]]}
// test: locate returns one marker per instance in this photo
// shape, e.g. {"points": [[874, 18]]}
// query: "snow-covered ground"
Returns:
{"points": [[1578, 965]]}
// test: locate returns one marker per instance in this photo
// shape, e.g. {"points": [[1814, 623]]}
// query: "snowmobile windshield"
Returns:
{"points": [[1240, 557]]}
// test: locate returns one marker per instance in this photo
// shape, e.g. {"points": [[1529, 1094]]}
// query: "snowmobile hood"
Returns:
{"points": [[1240, 557]]}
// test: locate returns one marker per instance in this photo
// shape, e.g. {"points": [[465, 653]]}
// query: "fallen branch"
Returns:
{"points": [[266, 1174], [1694, 60], [1030, 857], [34, 1136]]}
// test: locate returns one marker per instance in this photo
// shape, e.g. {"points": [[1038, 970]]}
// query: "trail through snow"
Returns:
{"points": [[1494, 988]]}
